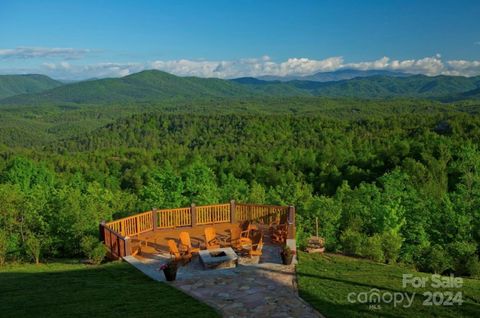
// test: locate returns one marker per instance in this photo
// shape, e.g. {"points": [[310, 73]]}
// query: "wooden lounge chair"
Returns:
{"points": [[186, 243], [279, 234], [272, 226], [176, 254], [239, 238], [256, 249], [211, 240]]}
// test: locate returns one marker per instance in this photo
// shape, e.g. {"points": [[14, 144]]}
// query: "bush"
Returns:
{"points": [[302, 238], [473, 267], [87, 244], [391, 245], [434, 259], [34, 247], [373, 249], [463, 255], [352, 242], [98, 254], [94, 250], [3, 247]]}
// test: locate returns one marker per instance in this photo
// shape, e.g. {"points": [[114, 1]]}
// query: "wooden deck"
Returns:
{"points": [[150, 230]]}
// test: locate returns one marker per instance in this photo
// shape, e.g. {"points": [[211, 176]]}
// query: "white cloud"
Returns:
{"points": [[247, 67], [462, 67], [42, 52], [428, 65], [264, 65]]}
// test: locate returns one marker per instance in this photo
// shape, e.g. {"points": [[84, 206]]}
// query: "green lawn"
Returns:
{"points": [[69, 289], [325, 281]]}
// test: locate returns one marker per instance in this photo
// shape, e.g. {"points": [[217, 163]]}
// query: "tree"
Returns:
{"points": [[164, 189], [200, 184]]}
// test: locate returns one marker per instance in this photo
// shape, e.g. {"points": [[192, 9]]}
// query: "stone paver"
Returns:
{"points": [[255, 288]]}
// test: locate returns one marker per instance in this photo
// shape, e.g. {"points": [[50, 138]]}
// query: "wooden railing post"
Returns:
{"points": [[232, 212], [101, 229], [154, 219], [291, 222], [193, 213], [128, 247]]}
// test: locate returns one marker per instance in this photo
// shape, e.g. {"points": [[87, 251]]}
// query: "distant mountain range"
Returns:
{"points": [[156, 85], [11, 85], [339, 75]]}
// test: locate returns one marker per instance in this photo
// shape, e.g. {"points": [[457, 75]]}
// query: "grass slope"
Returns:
{"points": [[11, 85], [325, 282], [75, 290]]}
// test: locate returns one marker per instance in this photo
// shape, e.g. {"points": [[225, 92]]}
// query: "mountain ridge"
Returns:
{"points": [[11, 85], [153, 85], [343, 74]]}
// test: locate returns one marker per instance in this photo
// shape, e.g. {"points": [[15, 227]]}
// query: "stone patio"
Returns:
{"points": [[260, 286]]}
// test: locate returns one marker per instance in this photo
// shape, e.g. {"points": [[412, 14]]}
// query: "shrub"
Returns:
{"points": [[434, 259], [34, 247], [473, 267], [463, 255], [3, 247], [301, 237], [373, 249], [352, 242], [391, 245], [98, 254], [87, 244], [94, 250]]}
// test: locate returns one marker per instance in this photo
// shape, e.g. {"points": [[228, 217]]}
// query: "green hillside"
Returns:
{"points": [[472, 94], [154, 86], [386, 86], [38, 125], [143, 86], [11, 85]]}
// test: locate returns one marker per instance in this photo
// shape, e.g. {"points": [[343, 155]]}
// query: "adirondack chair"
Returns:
{"points": [[239, 238], [176, 254], [211, 240], [279, 234], [272, 226], [186, 243], [256, 249]]}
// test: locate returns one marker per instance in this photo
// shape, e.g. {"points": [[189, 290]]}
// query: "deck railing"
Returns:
{"points": [[264, 213], [133, 225], [116, 234], [116, 244], [211, 214], [172, 218]]}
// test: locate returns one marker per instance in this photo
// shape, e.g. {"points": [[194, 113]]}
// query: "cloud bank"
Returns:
{"points": [[61, 66], [41, 52]]}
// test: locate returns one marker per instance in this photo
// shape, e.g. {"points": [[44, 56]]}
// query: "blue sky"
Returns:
{"points": [[81, 39]]}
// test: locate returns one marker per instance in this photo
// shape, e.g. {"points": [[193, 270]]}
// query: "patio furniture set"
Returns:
{"points": [[223, 251]]}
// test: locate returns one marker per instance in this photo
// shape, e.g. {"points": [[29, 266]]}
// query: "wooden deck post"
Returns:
{"points": [[154, 219], [232, 212], [291, 222], [128, 247], [101, 229], [193, 212]]}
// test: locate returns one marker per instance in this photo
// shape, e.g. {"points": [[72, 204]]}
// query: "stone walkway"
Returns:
{"points": [[266, 289]]}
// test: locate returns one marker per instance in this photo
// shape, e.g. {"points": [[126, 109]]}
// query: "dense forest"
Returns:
{"points": [[394, 181]]}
